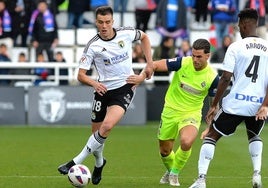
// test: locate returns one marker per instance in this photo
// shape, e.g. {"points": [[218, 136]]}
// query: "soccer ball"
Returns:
{"points": [[79, 175]]}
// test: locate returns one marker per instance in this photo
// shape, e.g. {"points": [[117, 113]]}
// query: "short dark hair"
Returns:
{"points": [[202, 44], [22, 54], [248, 13], [104, 10], [3, 45]]}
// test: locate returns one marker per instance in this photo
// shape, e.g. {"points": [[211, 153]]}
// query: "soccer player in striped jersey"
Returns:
{"points": [[246, 61], [110, 51], [193, 80]]}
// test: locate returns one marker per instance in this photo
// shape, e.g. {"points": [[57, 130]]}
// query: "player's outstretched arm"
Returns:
{"points": [[137, 79], [146, 47], [159, 65], [224, 82]]}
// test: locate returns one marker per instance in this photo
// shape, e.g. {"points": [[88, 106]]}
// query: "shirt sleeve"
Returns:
{"points": [[213, 88], [86, 60], [174, 64]]}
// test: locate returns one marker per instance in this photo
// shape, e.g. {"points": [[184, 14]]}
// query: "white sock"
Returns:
{"points": [[206, 155], [255, 150], [98, 154], [94, 142]]}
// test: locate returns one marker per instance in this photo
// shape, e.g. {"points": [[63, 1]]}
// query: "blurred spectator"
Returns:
{"points": [[41, 72], [171, 18], [185, 49], [23, 71], [165, 50], [97, 3], [53, 5], [143, 11], [4, 58], [120, 5], [261, 6], [137, 55], [20, 12], [43, 30], [222, 15], [218, 55], [76, 9], [5, 26], [190, 5], [201, 12], [59, 58], [22, 57]]}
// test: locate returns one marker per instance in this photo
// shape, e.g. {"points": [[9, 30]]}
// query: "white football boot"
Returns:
{"points": [[200, 182], [165, 178], [173, 179], [256, 180]]}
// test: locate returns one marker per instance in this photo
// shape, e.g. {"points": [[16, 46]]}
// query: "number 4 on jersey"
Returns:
{"points": [[253, 67]]}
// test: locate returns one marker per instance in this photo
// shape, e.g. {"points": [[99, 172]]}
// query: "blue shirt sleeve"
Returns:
{"points": [[174, 64], [213, 88]]}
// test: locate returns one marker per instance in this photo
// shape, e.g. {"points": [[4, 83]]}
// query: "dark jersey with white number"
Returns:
{"points": [[247, 59]]}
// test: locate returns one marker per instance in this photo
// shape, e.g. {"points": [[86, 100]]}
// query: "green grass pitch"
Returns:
{"points": [[30, 156]]}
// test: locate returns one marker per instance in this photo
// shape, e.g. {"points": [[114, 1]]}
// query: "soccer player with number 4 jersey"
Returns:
{"points": [[246, 61]]}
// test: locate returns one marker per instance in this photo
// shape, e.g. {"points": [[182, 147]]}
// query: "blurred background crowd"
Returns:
{"points": [[32, 27]]}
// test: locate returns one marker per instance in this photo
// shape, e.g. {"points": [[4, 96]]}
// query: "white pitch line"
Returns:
{"points": [[129, 177]]}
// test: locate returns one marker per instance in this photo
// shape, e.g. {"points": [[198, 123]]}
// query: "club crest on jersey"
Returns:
{"points": [[203, 84], [121, 44]]}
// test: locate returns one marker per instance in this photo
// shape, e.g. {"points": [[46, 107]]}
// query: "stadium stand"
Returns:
{"points": [[66, 37], [83, 35]]}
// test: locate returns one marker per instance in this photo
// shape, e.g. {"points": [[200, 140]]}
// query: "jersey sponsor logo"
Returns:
{"points": [[249, 98], [119, 58], [190, 89]]}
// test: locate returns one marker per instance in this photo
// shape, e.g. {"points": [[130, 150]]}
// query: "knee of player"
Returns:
{"points": [[186, 142], [106, 128], [164, 151]]}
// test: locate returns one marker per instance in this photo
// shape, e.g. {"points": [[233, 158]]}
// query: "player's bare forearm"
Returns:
{"points": [[85, 79], [146, 47], [212, 111], [136, 79], [224, 82], [160, 65]]}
